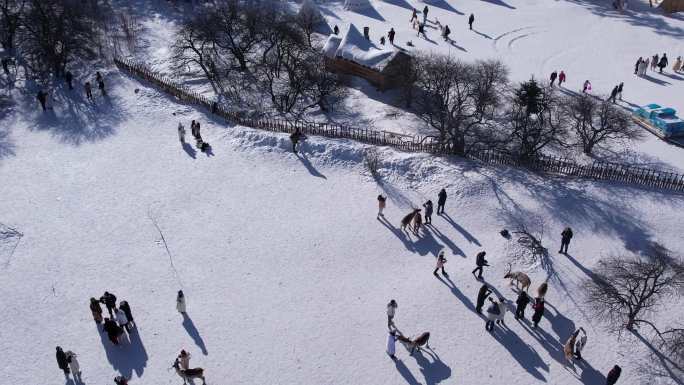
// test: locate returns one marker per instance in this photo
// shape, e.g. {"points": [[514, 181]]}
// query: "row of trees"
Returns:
{"points": [[248, 51], [50, 34], [473, 106]]}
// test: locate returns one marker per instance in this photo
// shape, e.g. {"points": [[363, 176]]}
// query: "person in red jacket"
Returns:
{"points": [[561, 78]]}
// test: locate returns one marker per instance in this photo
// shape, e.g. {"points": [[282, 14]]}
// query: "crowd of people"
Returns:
{"points": [[496, 310]]}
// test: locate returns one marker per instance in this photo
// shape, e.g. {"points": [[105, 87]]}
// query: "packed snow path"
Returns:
{"points": [[286, 270]]}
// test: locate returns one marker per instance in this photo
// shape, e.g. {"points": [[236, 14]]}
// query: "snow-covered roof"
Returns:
{"points": [[310, 10], [355, 5], [353, 46], [331, 45]]}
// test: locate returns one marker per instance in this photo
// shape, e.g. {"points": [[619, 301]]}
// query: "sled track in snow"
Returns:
{"points": [[9, 235], [496, 40]]}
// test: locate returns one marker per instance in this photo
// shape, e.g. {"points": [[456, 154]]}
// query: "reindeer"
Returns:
{"points": [[519, 277], [189, 374], [416, 343], [408, 218]]}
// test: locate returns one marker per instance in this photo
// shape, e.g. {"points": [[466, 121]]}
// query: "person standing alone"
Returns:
{"points": [[382, 201], [480, 262], [471, 20], [180, 302], [566, 236], [391, 310], [441, 201], [441, 260]]}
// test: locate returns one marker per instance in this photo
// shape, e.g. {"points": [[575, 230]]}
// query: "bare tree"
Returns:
{"points": [[55, 32], [625, 291], [534, 120], [10, 19], [459, 100], [598, 121], [195, 48], [240, 30]]}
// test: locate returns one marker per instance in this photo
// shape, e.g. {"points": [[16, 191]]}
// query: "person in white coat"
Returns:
{"points": [[73, 365], [181, 132], [502, 311], [180, 302], [581, 341], [121, 319], [184, 359], [391, 344]]}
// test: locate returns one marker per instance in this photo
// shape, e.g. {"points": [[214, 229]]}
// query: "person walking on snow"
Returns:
{"points": [[446, 32], [502, 311], [441, 201], [538, 310], [74, 365], [480, 262], [579, 345], [561, 78], [123, 305], [619, 91], [390, 35], [428, 212], [482, 295], [121, 319], [569, 346], [553, 77], [391, 311], [382, 201], [471, 20], [586, 87], [391, 344], [654, 62], [425, 13], [521, 302], [613, 375], [69, 77], [184, 359], [566, 236], [414, 16], [662, 63], [441, 260], [180, 302], [62, 362], [643, 67], [493, 311], [613, 94], [677, 64], [421, 29], [181, 132], [637, 65], [295, 137], [109, 300], [88, 90], [96, 309]]}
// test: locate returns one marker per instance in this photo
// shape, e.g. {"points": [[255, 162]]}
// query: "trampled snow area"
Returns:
{"points": [[286, 269]]}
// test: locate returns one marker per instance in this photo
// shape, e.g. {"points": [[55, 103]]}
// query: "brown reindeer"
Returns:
{"points": [[416, 343], [189, 374], [408, 218], [519, 277]]}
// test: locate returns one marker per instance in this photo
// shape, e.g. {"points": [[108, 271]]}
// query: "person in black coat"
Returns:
{"points": [[428, 212], [482, 295], [62, 361], [96, 309], [481, 262], [390, 35], [538, 310], [471, 20], [522, 301], [566, 236], [113, 330], [69, 78], [441, 201], [42, 98], [123, 305], [109, 300], [613, 375], [662, 63]]}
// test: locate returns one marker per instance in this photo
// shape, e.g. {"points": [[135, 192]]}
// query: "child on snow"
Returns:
{"points": [[441, 260], [381, 205], [391, 310]]}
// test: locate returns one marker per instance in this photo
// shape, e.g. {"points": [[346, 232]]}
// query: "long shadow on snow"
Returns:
{"points": [[445, 241], [309, 167], [434, 371], [406, 240], [457, 293], [127, 357], [405, 372], [194, 333], [468, 236], [524, 354]]}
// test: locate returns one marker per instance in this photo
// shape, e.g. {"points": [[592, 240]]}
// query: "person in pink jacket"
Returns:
{"points": [[441, 260]]}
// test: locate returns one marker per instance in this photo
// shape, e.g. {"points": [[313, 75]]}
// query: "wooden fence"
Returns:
{"points": [[596, 170]]}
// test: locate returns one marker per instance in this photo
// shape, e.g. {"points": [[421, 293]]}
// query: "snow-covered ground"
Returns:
{"points": [[286, 269], [586, 39]]}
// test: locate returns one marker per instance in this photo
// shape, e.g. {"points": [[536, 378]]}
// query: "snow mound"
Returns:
{"points": [[357, 48]]}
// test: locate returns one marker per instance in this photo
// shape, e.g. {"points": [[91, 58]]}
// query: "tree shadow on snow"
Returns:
{"points": [[659, 366], [127, 357], [194, 333]]}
